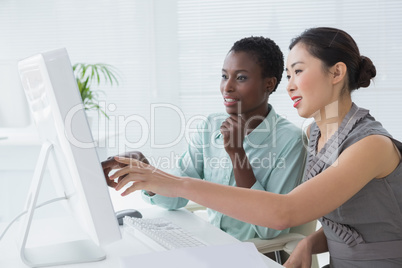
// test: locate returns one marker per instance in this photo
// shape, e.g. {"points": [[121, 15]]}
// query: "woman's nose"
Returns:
{"points": [[290, 86], [227, 86]]}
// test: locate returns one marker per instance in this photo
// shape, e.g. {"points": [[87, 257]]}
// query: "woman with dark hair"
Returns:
{"points": [[249, 146], [353, 175]]}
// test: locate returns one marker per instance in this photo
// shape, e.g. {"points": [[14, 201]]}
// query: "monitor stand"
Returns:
{"points": [[56, 254]]}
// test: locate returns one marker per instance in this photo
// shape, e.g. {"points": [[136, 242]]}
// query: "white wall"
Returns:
{"points": [[14, 111], [171, 52]]}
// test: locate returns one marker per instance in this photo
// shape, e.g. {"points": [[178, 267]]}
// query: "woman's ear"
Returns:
{"points": [[339, 71], [270, 84]]}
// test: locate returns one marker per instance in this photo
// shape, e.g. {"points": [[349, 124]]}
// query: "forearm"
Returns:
{"points": [[242, 169], [221, 198], [277, 211]]}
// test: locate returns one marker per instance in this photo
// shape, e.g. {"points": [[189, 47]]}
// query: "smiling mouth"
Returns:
{"points": [[230, 100], [296, 101]]}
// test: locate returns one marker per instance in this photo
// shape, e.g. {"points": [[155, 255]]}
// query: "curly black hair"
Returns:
{"points": [[266, 53]]}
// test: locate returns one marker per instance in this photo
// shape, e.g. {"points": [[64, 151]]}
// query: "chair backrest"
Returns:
{"points": [[305, 229]]}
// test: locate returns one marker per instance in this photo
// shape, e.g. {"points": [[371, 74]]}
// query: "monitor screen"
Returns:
{"points": [[69, 154]]}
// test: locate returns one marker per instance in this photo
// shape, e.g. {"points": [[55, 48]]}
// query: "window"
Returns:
{"points": [[208, 28], [170, 54]]}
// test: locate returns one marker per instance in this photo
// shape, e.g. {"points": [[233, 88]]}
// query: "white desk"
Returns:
{"points": [[128, 246]]}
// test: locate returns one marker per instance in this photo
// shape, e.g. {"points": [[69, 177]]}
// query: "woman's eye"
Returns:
{"points": [[224, 76], [298, 71], [288, 77], [241, 78]]}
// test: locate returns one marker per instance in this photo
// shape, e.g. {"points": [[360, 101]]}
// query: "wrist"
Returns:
{"points": [[237, 152], [240, 159], [307, 245], [316, 242], [184, 187]]}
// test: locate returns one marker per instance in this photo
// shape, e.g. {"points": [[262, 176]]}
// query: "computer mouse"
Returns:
{"points": [[127, 212]]}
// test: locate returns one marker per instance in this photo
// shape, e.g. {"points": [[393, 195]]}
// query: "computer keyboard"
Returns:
{"points": [[160, 233]]}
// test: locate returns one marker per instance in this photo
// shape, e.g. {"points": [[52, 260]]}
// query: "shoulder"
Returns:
{"points": [[354, 168], [369, 142], [287, 129], [287, 137], [378, 152], [375, 142], [366, 127]]}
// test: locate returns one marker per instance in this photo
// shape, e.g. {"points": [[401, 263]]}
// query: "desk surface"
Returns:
{"points": [[128, 246]]}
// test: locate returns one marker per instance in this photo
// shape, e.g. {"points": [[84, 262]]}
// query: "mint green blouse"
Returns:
{"points": [[275, 149]]}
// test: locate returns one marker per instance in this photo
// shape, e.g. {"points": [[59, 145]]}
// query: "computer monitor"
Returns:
{"points": [[12, 99], [69, 153]]}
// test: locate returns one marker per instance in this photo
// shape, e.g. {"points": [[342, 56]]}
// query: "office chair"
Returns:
{"points": [[286, 242]]}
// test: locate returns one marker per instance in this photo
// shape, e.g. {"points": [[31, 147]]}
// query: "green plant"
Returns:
{"points": [[89, 75]]}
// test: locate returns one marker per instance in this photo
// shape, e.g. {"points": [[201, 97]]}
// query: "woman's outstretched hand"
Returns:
{"points": [[110, 164], [145, 177]]}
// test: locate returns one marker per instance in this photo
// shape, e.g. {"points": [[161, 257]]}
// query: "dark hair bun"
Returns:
{"points": [[366, 72]]}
